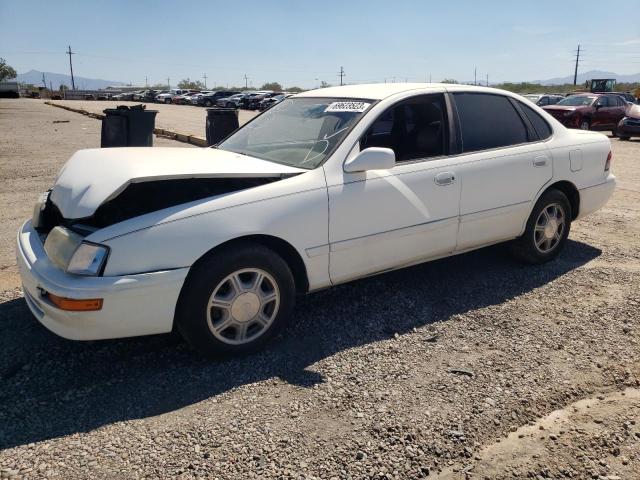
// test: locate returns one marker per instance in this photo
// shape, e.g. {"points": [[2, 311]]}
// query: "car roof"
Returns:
{"points": [[379, 91]]}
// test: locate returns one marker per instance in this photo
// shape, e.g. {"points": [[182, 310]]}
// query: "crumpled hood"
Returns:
{"points": [[91, 177]]}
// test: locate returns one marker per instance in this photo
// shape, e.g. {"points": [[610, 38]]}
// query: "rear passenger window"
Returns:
{"points": [[540, 125], [488, 121]]}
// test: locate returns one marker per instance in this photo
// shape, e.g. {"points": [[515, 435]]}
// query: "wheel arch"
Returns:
{"points": [[570, 191], [283, 248]]}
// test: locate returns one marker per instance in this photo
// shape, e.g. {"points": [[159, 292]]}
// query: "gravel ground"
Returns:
{"points": [[468, 367], [187, 119]]}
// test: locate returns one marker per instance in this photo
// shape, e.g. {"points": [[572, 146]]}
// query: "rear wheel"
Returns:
{"points": [[546, 231], [167, 100], [585, 124], [235, 300], [207, 103]]}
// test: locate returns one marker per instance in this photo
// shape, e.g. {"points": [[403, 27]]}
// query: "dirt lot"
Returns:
{"points": [[468, 367], [187, 119]]}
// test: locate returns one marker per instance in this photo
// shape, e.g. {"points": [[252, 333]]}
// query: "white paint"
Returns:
{"points": [[344, 225]]}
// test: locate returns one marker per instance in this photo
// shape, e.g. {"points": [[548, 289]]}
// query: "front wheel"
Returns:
{"points": [[207, 103], [235, 300], [547, 229], [585, 125]]}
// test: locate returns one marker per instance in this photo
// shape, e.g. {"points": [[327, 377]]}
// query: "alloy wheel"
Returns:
{"points": [[549, 228], [243, 306]]}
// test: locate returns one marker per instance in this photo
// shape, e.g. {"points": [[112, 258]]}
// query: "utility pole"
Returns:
{"points": [[341, 75], [146, 81], [429, 78], [73, 83], [205, 80], [168, 84], [246, 81], [44, 82], [575, 73], [50, 86], [487, 79], [475, 76]]}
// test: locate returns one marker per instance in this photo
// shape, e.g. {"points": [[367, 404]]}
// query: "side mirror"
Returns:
{"points": [[599, 106], [372, 158]]}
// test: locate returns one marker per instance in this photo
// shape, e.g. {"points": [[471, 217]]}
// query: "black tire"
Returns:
{"points": [[167, 100], [585, 122], [624, 138], [192, 310], [230, 105], [207, 103], [524, 248]]}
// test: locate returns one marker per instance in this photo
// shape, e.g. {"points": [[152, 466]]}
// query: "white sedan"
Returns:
{"points": [[326, 187]]}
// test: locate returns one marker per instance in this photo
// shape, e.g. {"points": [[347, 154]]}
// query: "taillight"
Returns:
{"points": [[607, 164]]}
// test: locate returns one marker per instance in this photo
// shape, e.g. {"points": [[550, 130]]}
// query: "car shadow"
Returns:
{"points": [[53, 387]]}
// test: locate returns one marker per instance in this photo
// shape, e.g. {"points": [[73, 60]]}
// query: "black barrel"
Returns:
{"points": [[220, 123], [128, 127]]}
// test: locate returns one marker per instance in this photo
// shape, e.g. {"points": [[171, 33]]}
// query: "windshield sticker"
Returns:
{"points": [[356, 107]]}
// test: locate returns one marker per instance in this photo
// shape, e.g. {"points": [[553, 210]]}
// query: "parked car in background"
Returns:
{"points": [[627, 97], [167, 97], [184, 98], [248, 100], [148, 96], [254, 102], [106, 264], [589, 111], [138, 95], [272, 100], [629, 126], [232, 101], [123, 96], [211, 99], [543, 99], [193, 99]]}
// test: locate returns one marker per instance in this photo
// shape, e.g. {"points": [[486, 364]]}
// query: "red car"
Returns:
{"points": [[589, 111]]}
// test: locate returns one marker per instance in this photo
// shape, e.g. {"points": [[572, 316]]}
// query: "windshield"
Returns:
{"points": [[577, 101], [301, 132]]}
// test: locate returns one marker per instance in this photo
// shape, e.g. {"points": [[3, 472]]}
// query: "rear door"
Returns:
{"points": [[602, 117], [504, 163]]}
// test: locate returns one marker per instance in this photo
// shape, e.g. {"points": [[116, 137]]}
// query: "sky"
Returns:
{"points": [[302, 43]]}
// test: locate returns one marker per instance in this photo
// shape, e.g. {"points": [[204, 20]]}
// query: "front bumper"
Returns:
{"points": [[140, 304]]}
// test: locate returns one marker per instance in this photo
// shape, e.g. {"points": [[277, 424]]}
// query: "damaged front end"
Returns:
{"points": [[102, 187], [138, 199]]}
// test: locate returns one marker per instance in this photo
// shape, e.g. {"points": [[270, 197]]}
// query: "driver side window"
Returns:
{"points": [[414, 129]]}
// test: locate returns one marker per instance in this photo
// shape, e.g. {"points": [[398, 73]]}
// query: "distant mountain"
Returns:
{"points": [[583, 77], [56, 79]]}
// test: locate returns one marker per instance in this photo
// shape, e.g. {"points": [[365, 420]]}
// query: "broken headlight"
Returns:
{"points": [[88, 259]]}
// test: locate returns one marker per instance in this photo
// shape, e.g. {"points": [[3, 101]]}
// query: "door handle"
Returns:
{"points": [[539, 161], [444, 178]]}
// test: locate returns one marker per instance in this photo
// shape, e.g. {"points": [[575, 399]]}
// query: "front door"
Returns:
{"points": [[385, 219]]}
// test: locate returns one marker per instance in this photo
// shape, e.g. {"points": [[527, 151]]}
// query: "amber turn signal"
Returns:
{"points": [[73, 305]]}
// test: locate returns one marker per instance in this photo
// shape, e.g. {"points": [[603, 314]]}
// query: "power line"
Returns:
{"points": [[73, 83], [341, 75]]}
